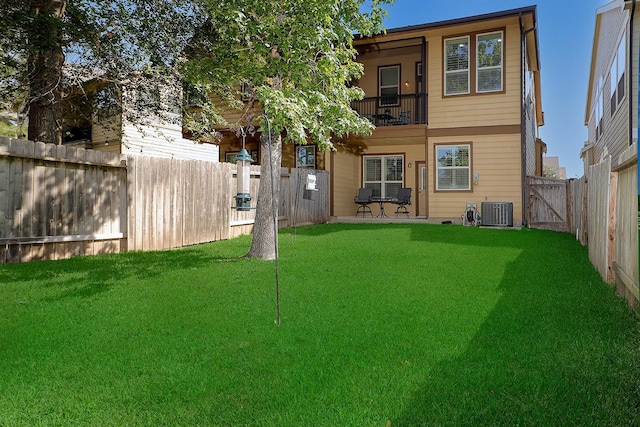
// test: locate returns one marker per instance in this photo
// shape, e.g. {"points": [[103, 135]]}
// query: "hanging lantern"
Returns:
{"points": [[243, 198]]}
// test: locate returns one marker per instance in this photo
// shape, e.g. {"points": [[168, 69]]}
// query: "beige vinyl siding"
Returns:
{"points": [[501, 108], [496, 158], [346, 180], [405, 57]]}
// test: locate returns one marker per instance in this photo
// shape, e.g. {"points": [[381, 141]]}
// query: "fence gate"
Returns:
{"points": [[547, 206]]}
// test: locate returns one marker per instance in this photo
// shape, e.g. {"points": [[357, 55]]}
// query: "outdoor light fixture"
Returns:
{"points": [[243, 198]]}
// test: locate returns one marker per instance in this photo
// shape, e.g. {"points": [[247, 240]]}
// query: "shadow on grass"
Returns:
{"points": [[86, 276], [557, 349]]}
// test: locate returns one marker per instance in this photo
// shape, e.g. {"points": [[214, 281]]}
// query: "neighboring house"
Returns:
{"points": [[94, 120], [457, 107], [611, 115], [553, 168]]}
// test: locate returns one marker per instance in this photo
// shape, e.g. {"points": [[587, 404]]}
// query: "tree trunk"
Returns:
{"points": [[44, 67], [263, 244]]}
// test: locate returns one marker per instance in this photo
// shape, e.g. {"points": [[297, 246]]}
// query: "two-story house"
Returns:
{"points": [[610, 115], [457, 107]]}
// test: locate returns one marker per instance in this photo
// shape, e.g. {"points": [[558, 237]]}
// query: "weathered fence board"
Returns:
{"points": [[626, 235], [548, 203], [57, 202], [578, 201], [597, 220]]}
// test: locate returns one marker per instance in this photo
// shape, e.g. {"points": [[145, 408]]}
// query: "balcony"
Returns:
{"points": [[394, 110]]}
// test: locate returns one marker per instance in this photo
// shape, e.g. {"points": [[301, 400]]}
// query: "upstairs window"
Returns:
{"points": [[616, 77], [389, 85], [474, 64], [456, 66], [599, 109], [489, 62]]}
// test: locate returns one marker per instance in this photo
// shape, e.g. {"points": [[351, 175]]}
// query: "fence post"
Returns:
{"points": [[611, 227]]}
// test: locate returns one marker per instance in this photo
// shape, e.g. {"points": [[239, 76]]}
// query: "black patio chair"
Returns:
{"points": [[403, 199], [363, 199]]}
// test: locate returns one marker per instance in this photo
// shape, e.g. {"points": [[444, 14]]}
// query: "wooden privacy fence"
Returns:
{"points": [[58, 201], [548, 208], [601, 209]]}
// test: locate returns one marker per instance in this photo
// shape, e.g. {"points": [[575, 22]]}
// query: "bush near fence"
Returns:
{"points": [[58, 201]]}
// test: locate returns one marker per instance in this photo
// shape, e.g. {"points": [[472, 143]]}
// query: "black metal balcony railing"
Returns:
{"points": [[394, 110]]}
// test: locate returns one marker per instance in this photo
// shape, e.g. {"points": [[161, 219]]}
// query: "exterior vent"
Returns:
{"points": [[497, 214]]}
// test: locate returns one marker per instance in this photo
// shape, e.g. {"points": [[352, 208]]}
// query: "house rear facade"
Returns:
{"points": [[457, 108]]}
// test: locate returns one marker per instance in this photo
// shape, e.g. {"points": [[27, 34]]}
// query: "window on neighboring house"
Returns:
{"points": [[453, 167], [616, 76], [456, 73], [384, 174], [489, 62], [246, 91], [306, 156], [389, 85], [599, 109]]}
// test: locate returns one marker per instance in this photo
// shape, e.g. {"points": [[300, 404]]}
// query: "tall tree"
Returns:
{"points": [[298, 57], [48, 47]]}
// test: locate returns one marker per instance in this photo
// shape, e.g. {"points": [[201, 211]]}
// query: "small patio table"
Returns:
{"points": [[381, 201]]}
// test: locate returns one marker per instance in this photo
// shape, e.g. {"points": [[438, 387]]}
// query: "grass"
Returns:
{"points": [[400, 324]]}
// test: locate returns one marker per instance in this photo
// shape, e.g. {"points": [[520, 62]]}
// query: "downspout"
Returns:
{"points": [[423, 60], [630, 35], [523, 142], [523, 130], [523, 123]]}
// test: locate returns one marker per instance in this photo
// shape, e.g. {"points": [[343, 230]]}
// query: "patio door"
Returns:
{"points": [[421, 179]]}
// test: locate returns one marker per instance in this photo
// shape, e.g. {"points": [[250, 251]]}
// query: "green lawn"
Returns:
{"points": [[394, 324]]}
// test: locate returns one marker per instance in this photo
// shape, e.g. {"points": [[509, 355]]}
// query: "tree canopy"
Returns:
{"points": [[296, 55]]}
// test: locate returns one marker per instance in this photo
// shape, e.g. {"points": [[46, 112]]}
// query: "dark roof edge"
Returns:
{"points": [[466, 20]]}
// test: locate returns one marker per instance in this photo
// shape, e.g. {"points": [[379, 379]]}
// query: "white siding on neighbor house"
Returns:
{"points": [[166, 142], [615, 134]]}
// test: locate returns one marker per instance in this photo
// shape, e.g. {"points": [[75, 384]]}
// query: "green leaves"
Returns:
{"points": [[307, 46]]}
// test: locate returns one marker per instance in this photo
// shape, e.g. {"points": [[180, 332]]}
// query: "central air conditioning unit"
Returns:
{"points": [[497, 214]]}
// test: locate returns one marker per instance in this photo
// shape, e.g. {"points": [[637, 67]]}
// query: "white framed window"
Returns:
{"points": [[306, 156], [489, 62], [453, 167], [456, 66], [384, 174], [616, 76], [599, 109], [389, 85]]}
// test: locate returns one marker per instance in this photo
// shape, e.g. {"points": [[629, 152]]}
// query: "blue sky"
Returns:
{"points": [[565, 30]]}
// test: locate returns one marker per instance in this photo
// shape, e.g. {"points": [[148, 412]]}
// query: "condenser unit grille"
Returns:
{"points": [[497, 214]]}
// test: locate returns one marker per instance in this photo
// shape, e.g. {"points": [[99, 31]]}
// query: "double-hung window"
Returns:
{"points": [[384, 174], [599, 109], [456, 73], [489, 62], [453, 167], [616, 76], [389, 85], [474, 63]]}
